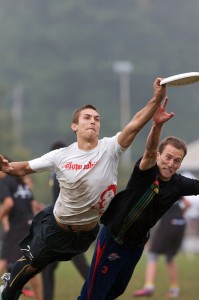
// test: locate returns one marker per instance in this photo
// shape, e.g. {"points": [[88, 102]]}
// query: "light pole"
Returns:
{"points": [[124, 68], [17, 111]]}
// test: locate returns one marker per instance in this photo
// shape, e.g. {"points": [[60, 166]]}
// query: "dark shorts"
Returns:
{"points": [[48, 242], [10, 247], [111, 269], [168, 239]]}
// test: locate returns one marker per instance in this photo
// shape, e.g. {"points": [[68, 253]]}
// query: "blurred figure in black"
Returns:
{"points": [[80, 262], [18, 207], [166, 241]]}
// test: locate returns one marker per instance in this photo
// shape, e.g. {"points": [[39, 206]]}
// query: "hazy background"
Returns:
{"points": [[58, 55]]}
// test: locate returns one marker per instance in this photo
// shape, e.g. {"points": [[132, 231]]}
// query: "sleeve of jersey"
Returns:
{"points": [[118, 145], [43, 163], [113, 147], [188, 186]]}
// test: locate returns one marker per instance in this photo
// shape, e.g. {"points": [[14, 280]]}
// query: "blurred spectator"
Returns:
{"points": [[17, 209], [166, 241]]}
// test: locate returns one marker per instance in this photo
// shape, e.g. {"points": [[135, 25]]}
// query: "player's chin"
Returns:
{"points": [[92, 136], [166, 176]]}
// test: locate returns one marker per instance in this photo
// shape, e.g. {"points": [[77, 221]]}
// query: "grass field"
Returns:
{"points": [[69, 282]]}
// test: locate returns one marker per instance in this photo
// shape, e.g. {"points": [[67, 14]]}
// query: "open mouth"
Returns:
{"points": [[167, 172]]}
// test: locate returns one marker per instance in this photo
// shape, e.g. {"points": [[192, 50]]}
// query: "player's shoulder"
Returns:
{"points": [[9, 180], [9, 183], [64, 149], [110, 139]]}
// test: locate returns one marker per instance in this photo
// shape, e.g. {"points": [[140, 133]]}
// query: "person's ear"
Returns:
{"points": [[74, 127], [158, 154]]}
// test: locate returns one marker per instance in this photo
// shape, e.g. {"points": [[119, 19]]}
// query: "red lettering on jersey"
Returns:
{"points": [[73, 166]]}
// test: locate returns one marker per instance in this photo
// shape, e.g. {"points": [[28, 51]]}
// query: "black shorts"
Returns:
{"points": [[48, 242], [10, 247], [168, 239]]}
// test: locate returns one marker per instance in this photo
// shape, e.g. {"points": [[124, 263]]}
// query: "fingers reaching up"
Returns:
{"points": [[161, 115]]}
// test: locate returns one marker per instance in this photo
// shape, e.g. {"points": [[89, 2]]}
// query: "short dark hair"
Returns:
{"points": [[58, 145], [76, 113], [173, 141]]}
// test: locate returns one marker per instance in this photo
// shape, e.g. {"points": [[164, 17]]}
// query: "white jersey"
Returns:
{"points": [[87, 179]]}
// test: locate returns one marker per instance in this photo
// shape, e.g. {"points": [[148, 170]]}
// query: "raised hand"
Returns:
{"points": [[5, 166], [159, 90], [161, 115]]}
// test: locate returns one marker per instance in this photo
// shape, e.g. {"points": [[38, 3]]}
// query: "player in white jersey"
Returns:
{"points": [[87, 174], [87, 179]]}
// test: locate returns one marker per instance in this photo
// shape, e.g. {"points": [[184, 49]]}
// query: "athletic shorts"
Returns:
{"points": [[48, 242], [10, 246], [111, 269], [168, 239]]}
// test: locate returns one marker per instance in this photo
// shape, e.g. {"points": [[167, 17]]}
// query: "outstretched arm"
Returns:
{"points": [[128, 134], [15, 168], [153, 139]]}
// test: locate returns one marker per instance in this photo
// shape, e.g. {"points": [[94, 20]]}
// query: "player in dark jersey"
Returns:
{"points": [[153, 188], [18, 206], [166, 241]]}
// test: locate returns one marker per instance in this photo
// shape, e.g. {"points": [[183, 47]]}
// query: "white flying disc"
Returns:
{"points": [[181, 79]]}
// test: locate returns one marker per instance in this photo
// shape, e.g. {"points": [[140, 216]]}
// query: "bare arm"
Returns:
{"points": [[128, 134], [6, 207], [150, 154], [15, 168], [5, 223], [186, 204]]}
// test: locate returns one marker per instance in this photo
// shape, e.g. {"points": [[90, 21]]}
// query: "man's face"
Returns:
{"points": [[88, 124], [169, 161]]}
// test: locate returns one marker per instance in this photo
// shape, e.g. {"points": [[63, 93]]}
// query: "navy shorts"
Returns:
{"points": [[48, 242]]}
